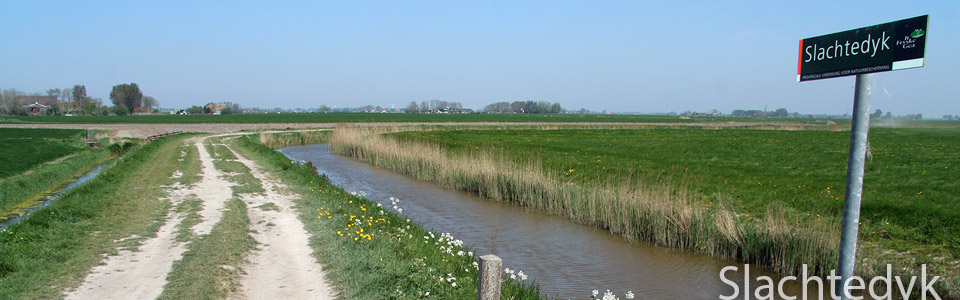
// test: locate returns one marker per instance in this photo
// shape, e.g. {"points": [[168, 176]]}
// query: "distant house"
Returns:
{"points": [[38, 104], [709, 113]]}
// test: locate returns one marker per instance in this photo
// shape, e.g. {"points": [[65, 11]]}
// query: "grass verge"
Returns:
{"points": [[371, 253]]}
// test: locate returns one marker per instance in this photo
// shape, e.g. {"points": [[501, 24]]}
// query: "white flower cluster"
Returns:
{"points": [[608, 295], [394, 202], [449, 279], [518, 275]]}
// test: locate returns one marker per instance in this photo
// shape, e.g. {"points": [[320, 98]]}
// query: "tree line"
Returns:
{"points": [[528, 107], [126, 98], [432, 106]]}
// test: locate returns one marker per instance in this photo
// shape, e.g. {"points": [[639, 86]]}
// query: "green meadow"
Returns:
{"points": [[24, 149], [910, 195]]}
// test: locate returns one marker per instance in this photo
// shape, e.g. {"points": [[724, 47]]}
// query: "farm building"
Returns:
{"points": [[38, 104]]}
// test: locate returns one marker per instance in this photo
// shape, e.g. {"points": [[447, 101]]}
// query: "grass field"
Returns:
{"points": [[24, 149], [910, 200], [392, 117]]}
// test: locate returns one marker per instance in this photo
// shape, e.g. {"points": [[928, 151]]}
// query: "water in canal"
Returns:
{"points": [[48, 199], [566, 259]]}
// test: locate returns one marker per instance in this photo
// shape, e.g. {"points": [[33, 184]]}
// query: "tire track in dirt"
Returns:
{"points": [[142, 274], [283, 267]]}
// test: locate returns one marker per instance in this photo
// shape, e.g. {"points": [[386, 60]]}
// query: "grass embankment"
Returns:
{"points": [[369, 252], [20, 192], [55, 247], [657, 205], [39, 161], [24, 149]]}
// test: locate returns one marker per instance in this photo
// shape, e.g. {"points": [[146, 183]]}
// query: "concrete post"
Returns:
{"points": [[488, 280]]}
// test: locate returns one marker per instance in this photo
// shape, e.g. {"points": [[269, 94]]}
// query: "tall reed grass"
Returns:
{"points": [[660, 213], [276, 140]]}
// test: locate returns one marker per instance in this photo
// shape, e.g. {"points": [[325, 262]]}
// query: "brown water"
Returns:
{"points": [[567, 260]]}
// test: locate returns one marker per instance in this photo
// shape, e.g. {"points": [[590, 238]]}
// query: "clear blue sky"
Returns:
{"points": [[621, 56]]}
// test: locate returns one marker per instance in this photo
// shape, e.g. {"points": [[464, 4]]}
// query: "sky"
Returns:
{"points": [[639, 56]]}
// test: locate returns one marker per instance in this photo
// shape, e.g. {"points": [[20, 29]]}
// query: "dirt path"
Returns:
{"points": [[139, 274], [283, 268]]}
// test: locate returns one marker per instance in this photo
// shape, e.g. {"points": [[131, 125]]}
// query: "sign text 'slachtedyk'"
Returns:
{"points": [[878, 48]]}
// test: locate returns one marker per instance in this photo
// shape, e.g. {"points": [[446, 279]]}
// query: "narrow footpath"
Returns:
{"points": [[281, 268]]}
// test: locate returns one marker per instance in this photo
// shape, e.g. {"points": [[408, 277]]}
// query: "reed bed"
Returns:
{"points": [[276, 140], [659, 213]]}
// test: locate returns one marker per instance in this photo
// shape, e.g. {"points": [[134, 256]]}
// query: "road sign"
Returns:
{"points": [[878, 48]]}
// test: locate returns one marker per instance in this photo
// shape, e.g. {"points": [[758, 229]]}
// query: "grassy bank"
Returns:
{"points": [[369, 252], [23, 191], [662, 209], [54, 248]]}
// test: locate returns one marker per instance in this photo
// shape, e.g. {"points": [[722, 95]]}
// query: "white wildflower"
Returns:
{"points": [[629, 295]]}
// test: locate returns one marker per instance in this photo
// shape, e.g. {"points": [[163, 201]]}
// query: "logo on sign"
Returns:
{"points": [[911, 41], [917, 33]]}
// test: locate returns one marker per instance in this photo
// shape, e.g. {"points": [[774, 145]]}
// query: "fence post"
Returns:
{"points": [[488, 280]]}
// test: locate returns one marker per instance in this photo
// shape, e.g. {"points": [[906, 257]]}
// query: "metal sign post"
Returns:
{"points": [[855, 167], [863, 51]]}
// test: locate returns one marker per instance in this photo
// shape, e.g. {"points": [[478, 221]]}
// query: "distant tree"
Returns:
{"points": [[149, 102], [556, 108], [425, 106], [54, 93], [128, 96], [738, 113], [918, 117], [121, 110], [91, 106], [10, 104], [888, 116], [226, 110], [781, 113], [948, 117], [79, 93], [517, 106], [195, 110], [876, 114], [412, 107], [499, 107], [324, 108], [65, 97]]}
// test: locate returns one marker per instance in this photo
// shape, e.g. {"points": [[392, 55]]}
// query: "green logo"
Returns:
{"points": [[917, 33]]}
